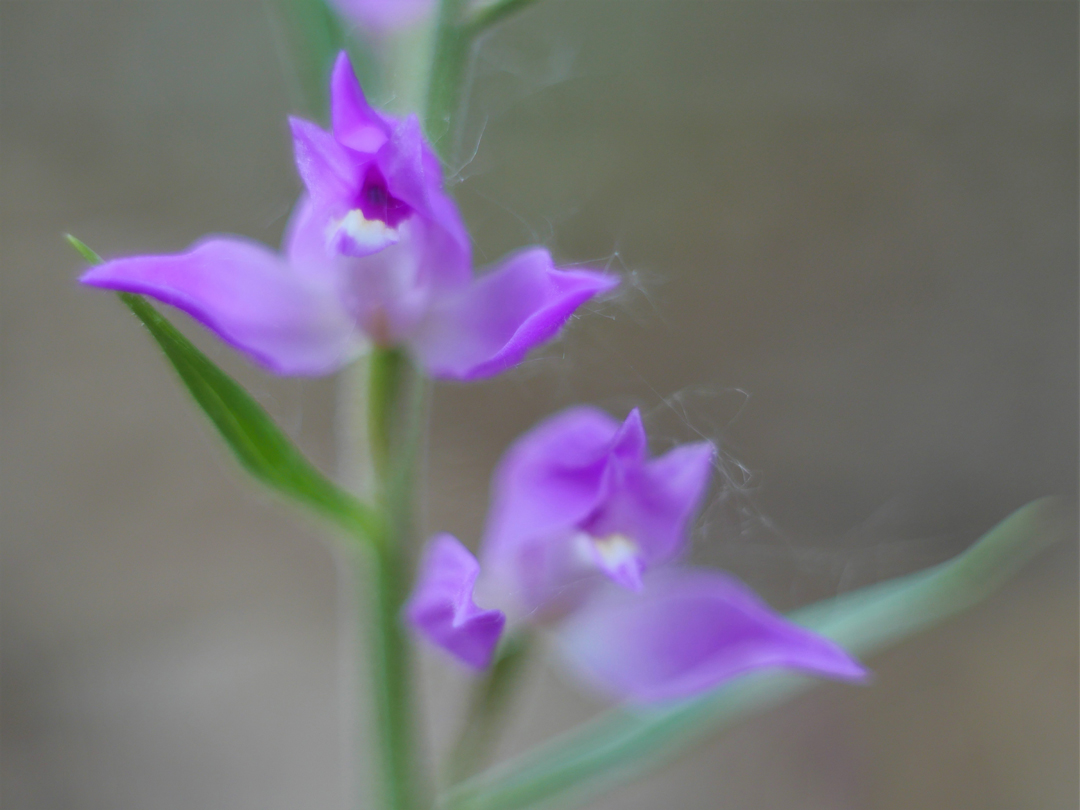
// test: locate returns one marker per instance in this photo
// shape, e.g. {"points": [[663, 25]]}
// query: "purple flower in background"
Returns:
{"points": [[687, 631], [577, 501], [382, 16], [580, 515], [376, 252]]}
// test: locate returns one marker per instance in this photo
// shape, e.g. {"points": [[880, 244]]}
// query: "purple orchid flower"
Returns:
{"points": [[576, 500], [383, 16], [376, 252], [580, 515]]}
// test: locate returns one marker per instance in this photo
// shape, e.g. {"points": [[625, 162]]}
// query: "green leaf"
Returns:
{"points": [[258, 444], [620, 746]]}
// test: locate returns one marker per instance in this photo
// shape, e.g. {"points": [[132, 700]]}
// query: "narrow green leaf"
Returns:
{"points": [[83, 250], [258, 444], [620, 746]]}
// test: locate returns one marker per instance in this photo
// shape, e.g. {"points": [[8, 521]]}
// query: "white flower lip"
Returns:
{"points": [[364, 236]]}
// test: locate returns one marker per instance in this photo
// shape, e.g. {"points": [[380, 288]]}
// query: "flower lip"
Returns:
{"points": [[372, 221], [618, 556], [357, 235]]}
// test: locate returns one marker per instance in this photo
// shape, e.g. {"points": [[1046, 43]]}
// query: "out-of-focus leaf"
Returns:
{"points": [[620, 746], [258, 444], [315, 34]]}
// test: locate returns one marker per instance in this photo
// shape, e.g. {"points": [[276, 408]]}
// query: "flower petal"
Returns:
{"points": [[331, 174], [652, 502], [251, 297], [305, 243], [619, 558], [356, 123], [413, 175], [550, 478], [631, 444], [503, 315], [441, 607], [689, 630]]}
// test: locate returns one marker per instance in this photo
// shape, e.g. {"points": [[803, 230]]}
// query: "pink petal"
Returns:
{"points": [[441, 607], [653, 501], [549, 479], [356, 123], [331, 174], [413, 175], [690, 630], [504, 314], [250, 297]]}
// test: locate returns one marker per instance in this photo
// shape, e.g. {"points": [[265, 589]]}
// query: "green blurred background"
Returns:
{"points": [[850, 237]]}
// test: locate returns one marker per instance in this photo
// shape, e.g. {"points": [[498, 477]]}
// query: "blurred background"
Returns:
{"points": [[850, 237]]}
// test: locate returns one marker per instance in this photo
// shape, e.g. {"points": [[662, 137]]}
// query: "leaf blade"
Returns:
{"points": [[257, 443]]}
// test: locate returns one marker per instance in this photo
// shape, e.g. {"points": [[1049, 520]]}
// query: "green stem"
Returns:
{"points": [[396, 417], [487, 712], [450, 56], [395, 411], [396, 771], [386, 371], [455, 33]]}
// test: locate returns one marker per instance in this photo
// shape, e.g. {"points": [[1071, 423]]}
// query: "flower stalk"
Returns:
{"points": [[449, 59], [396, 395], [487, 711], [394, 406]]}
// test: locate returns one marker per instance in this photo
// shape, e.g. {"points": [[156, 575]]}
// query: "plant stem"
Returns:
{"points": [[400, 788], [449, 59], [487, 715], [455, 33], [395, 398], [395, 409], [386, 368]]}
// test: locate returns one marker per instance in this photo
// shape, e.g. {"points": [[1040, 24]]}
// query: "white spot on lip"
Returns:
{"points": [[616, 555], [615, 550], [361, 236]]}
